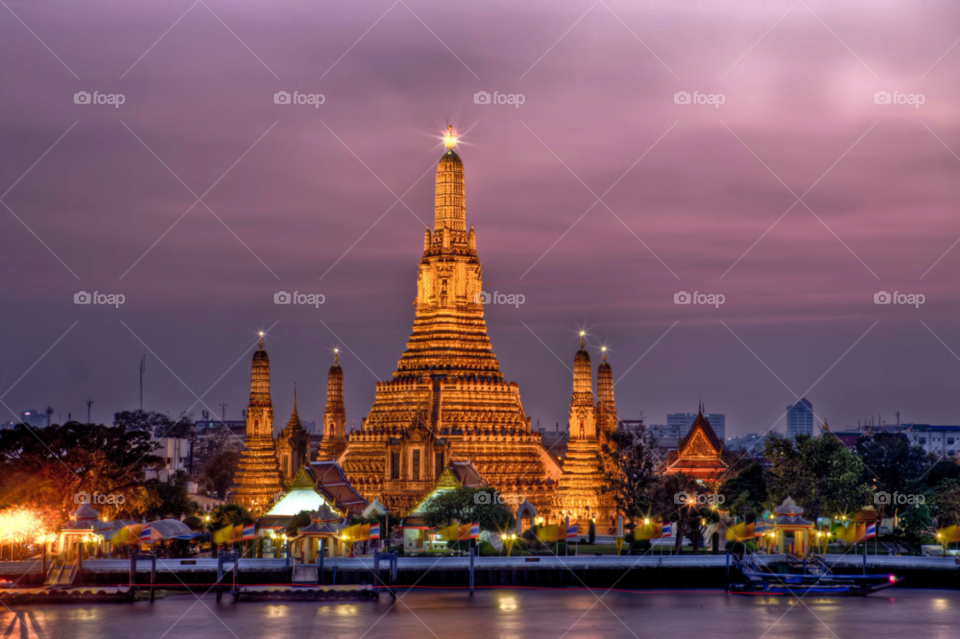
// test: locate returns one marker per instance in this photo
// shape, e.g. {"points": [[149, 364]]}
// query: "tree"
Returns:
{"points": [[820, 473], [300, 520], [745, 492], [891, 465], [63, 466], [158, 424], [173, 501], [669, 500], [218, 472], [945, 503], [228, 515], [630, 471], [468, 505]]}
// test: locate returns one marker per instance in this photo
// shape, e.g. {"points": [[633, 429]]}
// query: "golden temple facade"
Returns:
{"points": [[257, 482], [447, 400]]}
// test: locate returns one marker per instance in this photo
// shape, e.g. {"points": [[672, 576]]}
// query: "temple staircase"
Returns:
{"points": [[305, 574], [61, 574]]}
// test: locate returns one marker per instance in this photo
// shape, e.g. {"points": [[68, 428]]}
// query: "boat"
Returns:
{"points": [[810, 577]]}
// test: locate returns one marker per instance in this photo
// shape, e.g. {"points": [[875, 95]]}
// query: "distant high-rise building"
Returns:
{"points": [[683, 422], [34, 418], [800, 418]]}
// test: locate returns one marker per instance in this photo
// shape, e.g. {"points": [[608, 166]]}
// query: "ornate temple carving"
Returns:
{"points": [[334, 416], [580, 495], [257, 481], [447, 400]]}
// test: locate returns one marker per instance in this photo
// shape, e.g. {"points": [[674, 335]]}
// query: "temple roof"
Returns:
{"points": [[700, 450], [332, 481]]}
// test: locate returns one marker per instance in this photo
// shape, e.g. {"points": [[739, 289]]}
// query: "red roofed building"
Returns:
{"points": [[700, 454]]}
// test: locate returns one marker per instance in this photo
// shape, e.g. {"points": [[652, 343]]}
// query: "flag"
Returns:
{"points": [[474, 531], [666, 531], [759, 529], [145, 534], [547, 533], [374, 531], [224, 535], [238, 533], [572, 531], [249, 532], [871, 532]]}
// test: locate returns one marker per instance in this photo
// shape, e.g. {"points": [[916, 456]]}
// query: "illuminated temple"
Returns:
{"points": [[580, 494], [257, 482], [447, 400], [448, 405]]}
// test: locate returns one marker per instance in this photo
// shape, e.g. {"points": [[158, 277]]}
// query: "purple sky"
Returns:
{"points": [[798, 81]]}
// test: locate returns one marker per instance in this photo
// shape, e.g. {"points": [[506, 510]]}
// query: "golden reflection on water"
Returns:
{"points": [[277, 611], [941, 604], [85, 614], [507, 602], [343, 610]]}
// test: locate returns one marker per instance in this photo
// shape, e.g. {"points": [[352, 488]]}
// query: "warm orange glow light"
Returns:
{"points": [[449, 138]]}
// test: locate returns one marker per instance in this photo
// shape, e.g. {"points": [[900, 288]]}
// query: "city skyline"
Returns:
{"points": [[305, 198]]}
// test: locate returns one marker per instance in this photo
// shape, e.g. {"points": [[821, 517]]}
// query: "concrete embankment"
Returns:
{"points": [[649, 571]]}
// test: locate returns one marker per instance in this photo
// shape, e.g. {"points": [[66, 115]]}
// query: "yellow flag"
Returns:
{"points": [[948, 535], [548, 533], [740, 532], [619, 541], [450, 533], [223, 536]]}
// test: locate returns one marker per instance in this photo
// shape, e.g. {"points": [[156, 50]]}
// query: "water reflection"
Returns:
{"points": [[343, 610], [507, 602]]}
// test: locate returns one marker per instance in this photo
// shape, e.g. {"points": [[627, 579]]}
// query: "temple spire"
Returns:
{"points": [[606, 408], [258, 472], [582, 376], [450, 210], [334, 415]]}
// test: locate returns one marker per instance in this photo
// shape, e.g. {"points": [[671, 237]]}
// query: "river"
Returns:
{"points": [[507, 614]]}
